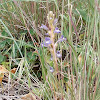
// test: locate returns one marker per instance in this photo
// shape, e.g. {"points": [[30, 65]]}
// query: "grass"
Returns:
{"points": [[20, 47]]}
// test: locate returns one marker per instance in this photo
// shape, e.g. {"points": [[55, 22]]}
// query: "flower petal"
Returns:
{"points": [[57, 30], [58, 54], [61, 39], [51, 57], [55, 21], [43, 44], [47, 34], [44, 27], [51, 69], [47, 40]]}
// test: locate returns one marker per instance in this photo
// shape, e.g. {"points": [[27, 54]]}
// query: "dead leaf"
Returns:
{"points": [[13, 70], [1, 77], [66, 64], [29, 96], [80, 58], [3, 69]]}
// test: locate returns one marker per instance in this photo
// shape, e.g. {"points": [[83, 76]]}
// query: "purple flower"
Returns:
{"points": [[51, 69], [58, 54], [47, 34], [61, 39], [43, 44], [51, 57], [57, 30], [55, 21], [47, 40], [44, 27]]}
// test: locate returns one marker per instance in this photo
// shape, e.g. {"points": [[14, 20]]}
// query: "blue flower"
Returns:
{"points": [[51, 69], [58, 54], [55, 21], [61, 39], [51, 57], [46, 42], [44, 27], [47, 34], [43, 44], [57, 30]]}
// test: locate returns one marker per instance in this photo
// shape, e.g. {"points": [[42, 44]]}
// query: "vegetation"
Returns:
{"points": [[50, 49]]}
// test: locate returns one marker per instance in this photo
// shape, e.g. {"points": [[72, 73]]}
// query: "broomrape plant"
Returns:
{"points": [[51, 42], [66, 64]]}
